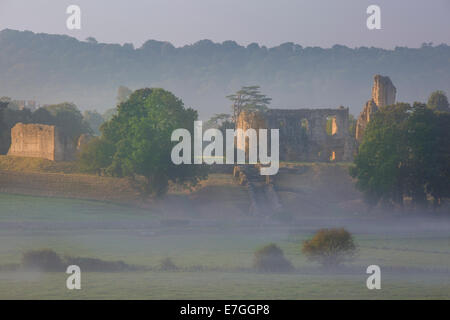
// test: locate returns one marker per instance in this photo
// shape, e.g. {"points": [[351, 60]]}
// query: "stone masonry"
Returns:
{"points": [[303, 134], [40, 141], [383, 94], [383, 91]]}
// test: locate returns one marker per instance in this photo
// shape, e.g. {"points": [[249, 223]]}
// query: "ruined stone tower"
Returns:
{"points": [[383, 94], [383, 91]]}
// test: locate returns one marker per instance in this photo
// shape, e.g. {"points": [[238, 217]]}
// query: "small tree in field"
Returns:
{"points": [[330, 247], [270, 258]]}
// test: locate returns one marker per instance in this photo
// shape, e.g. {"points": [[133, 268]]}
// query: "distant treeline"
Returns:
{"points": [[53, 68]]}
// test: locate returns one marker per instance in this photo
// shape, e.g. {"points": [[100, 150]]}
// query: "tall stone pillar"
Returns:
{"points": [[383, 91], [383, 94]]}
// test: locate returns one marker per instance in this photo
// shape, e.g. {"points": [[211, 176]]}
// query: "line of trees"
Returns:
{"points": [[88, 73]]}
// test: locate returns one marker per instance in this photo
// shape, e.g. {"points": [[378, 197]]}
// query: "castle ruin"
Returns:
{"points": [[40, 141], [383, 94], [303, 132]]}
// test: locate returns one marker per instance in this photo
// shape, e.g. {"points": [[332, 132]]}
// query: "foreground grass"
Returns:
{"points": [[184, 285], [20, 208], [224, 251]]}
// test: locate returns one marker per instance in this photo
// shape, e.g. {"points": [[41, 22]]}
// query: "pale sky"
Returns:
{"points": [[268, 22]]}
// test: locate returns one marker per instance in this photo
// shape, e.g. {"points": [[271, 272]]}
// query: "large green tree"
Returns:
{"points": [[405, 151], [96, 155], [380, 162], [140, 134], [436, 154], [421, 139]]}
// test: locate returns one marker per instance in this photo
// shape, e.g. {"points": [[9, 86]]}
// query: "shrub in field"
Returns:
{"points": [[47, 260], [330, 247], [270, 258], [43, 260], [98, 265], [167, 264]]}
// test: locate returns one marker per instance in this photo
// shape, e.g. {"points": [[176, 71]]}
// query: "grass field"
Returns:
{"points": [[23, 164], [213, 285], [215, 256]]}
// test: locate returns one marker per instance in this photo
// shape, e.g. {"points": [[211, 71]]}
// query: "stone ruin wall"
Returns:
{"points": [[364, 117], [383, 91], [383, 94], [247, 120], [303, 135], [33, 140], [40, 141]]}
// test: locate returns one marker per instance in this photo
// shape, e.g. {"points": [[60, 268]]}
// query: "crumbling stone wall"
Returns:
{"points": [[303, 135], [383, 91], [369, 109], [40, 141], [383, 94], [247, 120]]}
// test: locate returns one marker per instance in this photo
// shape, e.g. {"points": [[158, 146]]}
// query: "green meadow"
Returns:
{"points": [[214, 256]]}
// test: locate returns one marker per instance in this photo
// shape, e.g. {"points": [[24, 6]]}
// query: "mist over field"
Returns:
{"points": [[56, 68], [214, 258], [211, 239]]}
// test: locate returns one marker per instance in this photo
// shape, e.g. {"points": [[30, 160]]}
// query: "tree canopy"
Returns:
{"points": [[438, 101], [137, 142], [248, 99], [405, 151], [68, 119]]}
